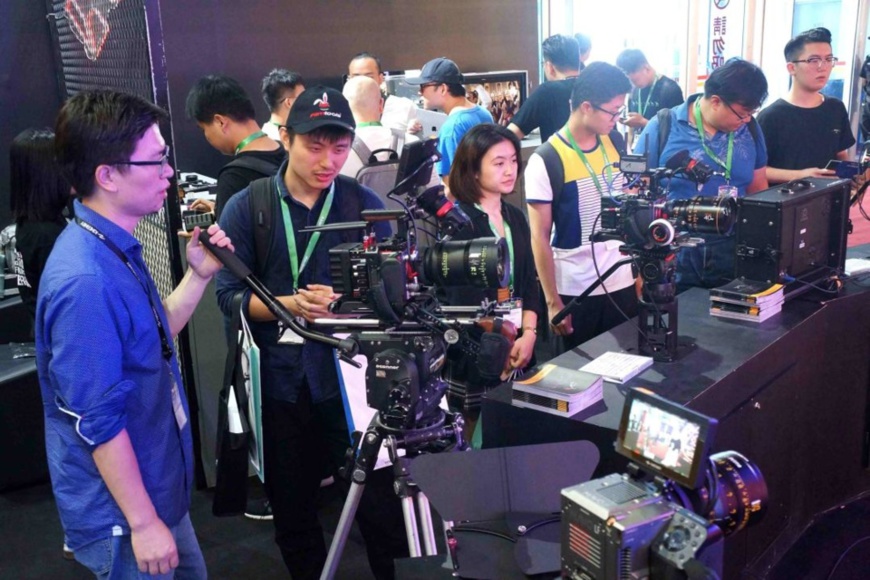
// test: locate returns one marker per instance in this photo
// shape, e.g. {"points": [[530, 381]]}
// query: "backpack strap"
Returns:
{"points": [[362, 150], [554, 167], [261, 202], [350, 207], [257, 164], [664, 117]]}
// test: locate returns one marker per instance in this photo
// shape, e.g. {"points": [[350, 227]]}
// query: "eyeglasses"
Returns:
{"points": [[743, 118], [162, 162], [818, 61], [424, 86], [613, 115]]}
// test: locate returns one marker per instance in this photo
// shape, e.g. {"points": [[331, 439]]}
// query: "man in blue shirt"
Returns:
{"points": [[118, 437], [716, 128], [304, 424], [441, 87]]}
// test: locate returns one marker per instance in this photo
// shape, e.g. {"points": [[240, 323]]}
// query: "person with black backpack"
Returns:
{"points": [[304, 425], [566, 179], [225, 113], [717, 128]]}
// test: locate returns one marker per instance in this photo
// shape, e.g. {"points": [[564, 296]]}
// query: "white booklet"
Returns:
{"points": [[618, 367]]}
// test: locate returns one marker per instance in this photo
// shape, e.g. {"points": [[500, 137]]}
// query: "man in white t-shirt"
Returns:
{"points": [[367, 105]]}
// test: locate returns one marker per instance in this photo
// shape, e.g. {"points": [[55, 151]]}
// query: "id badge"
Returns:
{"points": [[286, 334], [727, 191], [177, 407]]}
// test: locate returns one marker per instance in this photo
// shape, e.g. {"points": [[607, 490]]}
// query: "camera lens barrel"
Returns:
{"points": [[703, 215], [482, 262]]}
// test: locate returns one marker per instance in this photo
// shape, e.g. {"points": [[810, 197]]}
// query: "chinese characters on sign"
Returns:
{"points": [[717, 41]]}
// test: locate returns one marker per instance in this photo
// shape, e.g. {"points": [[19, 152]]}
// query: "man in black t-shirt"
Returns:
{"points": [[651, 93], [806, 129], [550, 105], [225, 113]]}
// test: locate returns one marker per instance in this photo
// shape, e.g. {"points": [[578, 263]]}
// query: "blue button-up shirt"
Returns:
{"points": [[101, 370], [750, 153], [284, 367]]}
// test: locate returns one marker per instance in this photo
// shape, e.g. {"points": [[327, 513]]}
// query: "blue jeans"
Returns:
{"points": [[708, 265], [113, 559]]}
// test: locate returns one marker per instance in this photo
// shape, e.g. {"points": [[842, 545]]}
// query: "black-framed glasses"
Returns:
{"points": [[162, 162], [613, 115], [426, 85], [818, 61], [743, 118]]}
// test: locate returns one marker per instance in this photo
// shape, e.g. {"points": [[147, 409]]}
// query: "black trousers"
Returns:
{"points": [[596, 314], [301, 442]]}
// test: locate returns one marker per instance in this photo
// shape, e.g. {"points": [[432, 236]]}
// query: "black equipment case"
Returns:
{"points": [[794, 230]]}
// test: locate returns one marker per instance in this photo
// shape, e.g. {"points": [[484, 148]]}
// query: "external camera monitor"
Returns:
{"points": [[413, 155], [502, 93], [665, 438]]}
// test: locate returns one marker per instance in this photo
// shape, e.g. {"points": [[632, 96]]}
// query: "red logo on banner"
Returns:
{"points": [[88, 21]]}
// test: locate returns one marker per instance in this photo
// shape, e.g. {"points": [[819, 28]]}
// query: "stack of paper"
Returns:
{"points": [[618, 367], [557, 390], [743, 299]]}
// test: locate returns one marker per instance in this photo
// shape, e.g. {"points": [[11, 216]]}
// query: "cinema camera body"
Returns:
{"points": [[387, 287], [668, 516]]}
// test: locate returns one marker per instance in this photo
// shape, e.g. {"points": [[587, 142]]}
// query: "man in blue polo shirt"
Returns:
{"points": [[717, 128], [117, 432], [304, 426]]}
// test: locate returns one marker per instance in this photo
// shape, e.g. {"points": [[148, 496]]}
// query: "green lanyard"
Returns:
{"points": [[369, 124], [699, 124], [585, 161], [640, 110], [248, 139], [507, 236], [295, 267]]}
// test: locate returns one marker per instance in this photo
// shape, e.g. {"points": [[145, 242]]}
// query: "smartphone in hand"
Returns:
{"points": [[844, 169]]}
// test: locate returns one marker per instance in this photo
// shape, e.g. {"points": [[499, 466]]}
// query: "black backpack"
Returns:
{"points": [[264, 211]]}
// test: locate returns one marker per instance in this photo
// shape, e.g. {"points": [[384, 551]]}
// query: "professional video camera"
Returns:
{"points": [[670, 521], [653, 230]]}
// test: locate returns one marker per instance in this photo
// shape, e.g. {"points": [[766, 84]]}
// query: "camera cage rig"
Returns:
{"points": [[653, 230]]}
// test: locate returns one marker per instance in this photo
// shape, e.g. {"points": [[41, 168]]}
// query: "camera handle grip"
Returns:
{"points": [[347, 346]]}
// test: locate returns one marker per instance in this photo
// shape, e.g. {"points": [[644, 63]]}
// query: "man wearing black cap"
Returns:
{"points": [[304, 424], [441, 87]]}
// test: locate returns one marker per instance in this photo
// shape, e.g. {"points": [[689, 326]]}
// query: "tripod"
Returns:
{"points": [[440, 432]]}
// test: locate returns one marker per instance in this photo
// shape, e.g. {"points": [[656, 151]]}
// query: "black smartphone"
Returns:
{"points": [[844, 169]]}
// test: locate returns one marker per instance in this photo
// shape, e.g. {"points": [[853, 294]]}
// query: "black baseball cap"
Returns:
{"points": [[317, 107], [439, 70]]}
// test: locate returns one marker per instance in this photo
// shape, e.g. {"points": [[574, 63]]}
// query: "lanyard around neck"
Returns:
{"points": [[165, 347], [585, 161], [642, 111], [508, 236], [699, 124], [248, 139], [295, 267], [369, 124]]}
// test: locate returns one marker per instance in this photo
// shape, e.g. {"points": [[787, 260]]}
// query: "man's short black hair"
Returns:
{"points": [[598, 83], [100, 128], [737, 82], [584, 42], [631, 60], [455, 89], [795, 46], [277, 84], [329, 134], [562, 52], [218, 95], [362, 55]]}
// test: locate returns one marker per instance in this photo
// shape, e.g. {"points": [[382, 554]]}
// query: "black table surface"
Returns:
{"points": [[10, 368]]}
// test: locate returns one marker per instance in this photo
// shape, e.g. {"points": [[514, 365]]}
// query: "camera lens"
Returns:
{"points": [[481, 262], [703, 215]]}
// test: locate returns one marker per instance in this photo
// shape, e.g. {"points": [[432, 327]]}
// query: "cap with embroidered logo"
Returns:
{"points": [[317, 107]]}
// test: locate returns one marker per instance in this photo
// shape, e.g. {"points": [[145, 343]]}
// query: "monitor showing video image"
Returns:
{"points": [[501, 93], [665, 438]]}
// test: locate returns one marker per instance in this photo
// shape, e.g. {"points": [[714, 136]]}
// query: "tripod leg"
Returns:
{"points": [[365, 462], [344, 525], [426, 528], [411, 526]]}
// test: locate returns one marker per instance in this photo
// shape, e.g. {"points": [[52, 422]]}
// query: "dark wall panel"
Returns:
{"points": [[317, 38], [29, 95]]}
